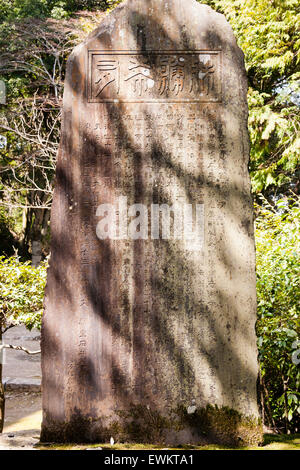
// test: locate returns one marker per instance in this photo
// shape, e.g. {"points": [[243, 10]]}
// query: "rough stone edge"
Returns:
{"points": [[105, 25]]}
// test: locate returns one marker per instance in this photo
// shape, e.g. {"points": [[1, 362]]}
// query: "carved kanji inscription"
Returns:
{"points": [[165, 76]]}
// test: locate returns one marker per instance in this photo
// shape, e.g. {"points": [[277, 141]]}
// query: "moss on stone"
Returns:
{"points": [[140, 424], [223, 426]]}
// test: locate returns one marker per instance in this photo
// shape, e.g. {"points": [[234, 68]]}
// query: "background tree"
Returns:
{"points": [[268, 32], [33, 67]]}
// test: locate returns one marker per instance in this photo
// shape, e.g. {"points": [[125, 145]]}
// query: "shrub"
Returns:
{"points": [[21, 292], [278, 327]]}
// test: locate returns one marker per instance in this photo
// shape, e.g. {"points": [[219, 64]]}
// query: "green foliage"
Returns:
{"points": [[29, 8], [58, 9], [278, 290], [268, 32], [21, 292], [75, 5]]}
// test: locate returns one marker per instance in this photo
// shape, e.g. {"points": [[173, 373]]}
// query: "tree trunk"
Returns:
{"points": [[36, 252], [2, 396], [262, 401], [286, 408], [267, 403]]}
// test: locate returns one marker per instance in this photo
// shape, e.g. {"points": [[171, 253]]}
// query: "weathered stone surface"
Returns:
{"points": [[139, 336]]}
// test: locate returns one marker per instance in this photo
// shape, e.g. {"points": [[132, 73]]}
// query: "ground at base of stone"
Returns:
{"points": [[23, 411], [271, 442], [29, 440], [23, 423], [23, 417]]}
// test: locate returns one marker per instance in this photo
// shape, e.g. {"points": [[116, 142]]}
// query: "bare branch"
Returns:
{"points": [[20, 206], [8, 328], [18, 348]]}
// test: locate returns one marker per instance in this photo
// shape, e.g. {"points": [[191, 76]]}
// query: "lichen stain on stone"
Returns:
{"points": [[142, 425]]}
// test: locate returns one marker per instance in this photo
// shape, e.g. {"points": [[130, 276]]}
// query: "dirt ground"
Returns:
{"points": [[23, 417], [23, 411]]}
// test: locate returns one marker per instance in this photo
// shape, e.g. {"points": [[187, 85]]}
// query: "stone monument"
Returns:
{"points": [[150, 308]]}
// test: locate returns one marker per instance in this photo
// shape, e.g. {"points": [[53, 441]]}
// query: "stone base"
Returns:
{"points": [[210, 425]]}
